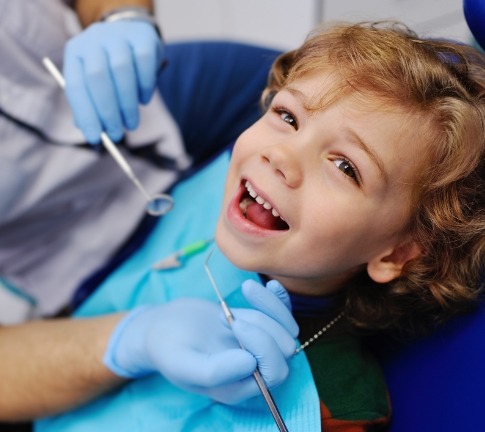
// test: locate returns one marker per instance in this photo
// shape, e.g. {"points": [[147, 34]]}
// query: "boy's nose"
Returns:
{"points": [[285, 163]]}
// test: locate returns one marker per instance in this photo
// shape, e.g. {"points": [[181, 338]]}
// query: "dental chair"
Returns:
{"points": [[436, 383]]}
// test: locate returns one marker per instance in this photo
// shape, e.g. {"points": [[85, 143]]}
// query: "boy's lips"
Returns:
{"points": [[250, 212]]}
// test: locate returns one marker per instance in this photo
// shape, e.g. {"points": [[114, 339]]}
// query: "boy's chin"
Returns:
{"points": [[235, 255]]}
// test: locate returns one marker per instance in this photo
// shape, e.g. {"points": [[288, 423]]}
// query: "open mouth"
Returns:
{"points": [[259, 211]]}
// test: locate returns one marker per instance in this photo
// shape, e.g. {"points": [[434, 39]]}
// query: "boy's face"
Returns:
{"points": [[340, 180]]}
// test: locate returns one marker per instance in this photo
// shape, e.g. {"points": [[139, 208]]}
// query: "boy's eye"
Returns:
{"points": [[287, 117], [348, 168]]}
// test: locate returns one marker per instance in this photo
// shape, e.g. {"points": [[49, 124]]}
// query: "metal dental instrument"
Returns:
{"points": [[157, 204], [257, 375]]}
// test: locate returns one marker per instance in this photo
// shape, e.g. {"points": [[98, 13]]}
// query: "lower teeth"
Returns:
{"points": [[244, 204]]}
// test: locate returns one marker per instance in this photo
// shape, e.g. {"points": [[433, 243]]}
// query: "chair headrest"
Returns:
{"points": [[474, 11]]}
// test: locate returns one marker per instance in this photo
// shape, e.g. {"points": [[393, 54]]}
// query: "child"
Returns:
{"points": [[361, 190]]}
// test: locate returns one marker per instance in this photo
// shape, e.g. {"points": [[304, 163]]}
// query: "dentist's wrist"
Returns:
{"points": [[125, 354], [132, 13]]}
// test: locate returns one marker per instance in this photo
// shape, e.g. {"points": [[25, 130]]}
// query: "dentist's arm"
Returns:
{"points": [[111, 67], [50, 366]]}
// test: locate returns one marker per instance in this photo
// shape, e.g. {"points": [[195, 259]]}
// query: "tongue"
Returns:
{"points": [[258, 215]]}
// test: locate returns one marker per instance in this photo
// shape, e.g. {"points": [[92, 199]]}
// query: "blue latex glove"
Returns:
{"points": [[189, 342], [109, 69]]}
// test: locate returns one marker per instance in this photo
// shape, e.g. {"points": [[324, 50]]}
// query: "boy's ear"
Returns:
{"points": [[388, 266]]}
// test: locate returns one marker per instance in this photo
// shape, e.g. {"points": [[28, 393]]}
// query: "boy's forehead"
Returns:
{"points": [[318, 91]]}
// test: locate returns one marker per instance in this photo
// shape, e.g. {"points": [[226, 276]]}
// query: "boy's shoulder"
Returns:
{"points": [[350, 382]]}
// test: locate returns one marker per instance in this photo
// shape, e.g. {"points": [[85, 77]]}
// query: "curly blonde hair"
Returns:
{"points": [[443, 82]]}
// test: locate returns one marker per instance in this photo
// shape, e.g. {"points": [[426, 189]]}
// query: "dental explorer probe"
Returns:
{"points": [[158, 204], [256, 374]]}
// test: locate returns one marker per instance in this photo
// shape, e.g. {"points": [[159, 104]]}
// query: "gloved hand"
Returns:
{"points": [[189, 342], [109, 69]]}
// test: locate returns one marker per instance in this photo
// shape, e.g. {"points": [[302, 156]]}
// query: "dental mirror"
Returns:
{"points": [[158, 204]]}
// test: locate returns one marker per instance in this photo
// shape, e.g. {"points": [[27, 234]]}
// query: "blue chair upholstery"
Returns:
{"points": [[213, 90], [438, 383], [474, 11]]}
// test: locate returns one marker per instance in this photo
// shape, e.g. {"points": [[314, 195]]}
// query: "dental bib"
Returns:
{"points": [[152, 403]]}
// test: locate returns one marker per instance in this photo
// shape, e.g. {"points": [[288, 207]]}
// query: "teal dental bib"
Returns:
{"points": [[152, 403]]}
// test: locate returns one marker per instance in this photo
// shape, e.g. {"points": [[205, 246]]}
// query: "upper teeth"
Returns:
{"points": [[261, 200]]}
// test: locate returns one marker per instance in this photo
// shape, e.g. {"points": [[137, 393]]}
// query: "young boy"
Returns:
{"points": [[361, 190]]}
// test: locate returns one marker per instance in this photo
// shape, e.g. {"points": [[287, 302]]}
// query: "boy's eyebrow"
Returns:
{"points": [[298, 94], [370, 153]]}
